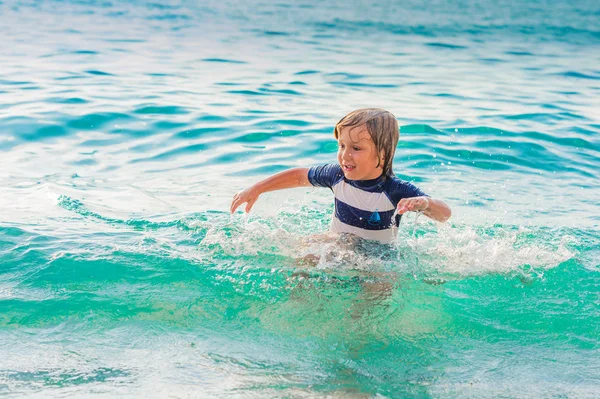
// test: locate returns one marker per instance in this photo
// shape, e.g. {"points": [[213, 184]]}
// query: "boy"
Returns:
{"points": [[369, 198]]}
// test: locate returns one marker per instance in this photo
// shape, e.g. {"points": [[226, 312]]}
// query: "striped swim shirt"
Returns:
{"points": [[363, 207]]}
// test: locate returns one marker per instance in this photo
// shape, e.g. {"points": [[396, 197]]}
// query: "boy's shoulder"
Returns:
{"points": [[397, 189], [325, 175], [396, 181]]}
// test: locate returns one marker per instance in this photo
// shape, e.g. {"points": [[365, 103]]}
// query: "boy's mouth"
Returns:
{"points": [[348, 168]]}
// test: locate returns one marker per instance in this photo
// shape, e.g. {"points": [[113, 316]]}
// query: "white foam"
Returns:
{"points": [[475, 250], [421, 248]]}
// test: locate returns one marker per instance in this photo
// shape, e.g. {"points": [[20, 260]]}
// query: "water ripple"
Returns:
{"points": [[578, 75], [223, 60], [162, 110], [96, 120]]}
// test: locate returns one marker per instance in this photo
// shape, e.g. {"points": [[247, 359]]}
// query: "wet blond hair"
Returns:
{"points": [[383, 129]]}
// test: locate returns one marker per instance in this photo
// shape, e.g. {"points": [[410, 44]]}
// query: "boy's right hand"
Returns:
{"points": [[296, 177], [248, 196]]}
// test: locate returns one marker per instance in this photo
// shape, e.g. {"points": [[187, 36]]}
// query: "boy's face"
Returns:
{"points": [[357, 154]]}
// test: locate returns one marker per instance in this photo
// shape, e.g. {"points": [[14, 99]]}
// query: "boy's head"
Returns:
{"points": [[382, 139]]}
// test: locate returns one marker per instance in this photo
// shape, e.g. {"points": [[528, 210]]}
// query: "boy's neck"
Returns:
{"points": [[368, 181]]}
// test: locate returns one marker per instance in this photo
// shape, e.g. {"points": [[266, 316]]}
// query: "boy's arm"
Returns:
{"points": [[431, 207], [296, 177]]}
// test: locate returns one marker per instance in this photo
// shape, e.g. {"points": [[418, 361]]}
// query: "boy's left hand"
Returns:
{"points": [[413, 204]]}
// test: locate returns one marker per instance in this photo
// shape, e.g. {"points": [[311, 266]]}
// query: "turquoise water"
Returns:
{"points": [[126, 128]]}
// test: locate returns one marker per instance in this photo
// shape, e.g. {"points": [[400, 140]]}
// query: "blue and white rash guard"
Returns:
{"points": [[363, 207]]}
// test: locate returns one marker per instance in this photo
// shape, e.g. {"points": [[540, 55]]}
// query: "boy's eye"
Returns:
{"points": [[356, 148]]}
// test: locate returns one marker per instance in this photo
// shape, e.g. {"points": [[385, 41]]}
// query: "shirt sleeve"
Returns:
{"points": [[325, 175], [400, 189]]}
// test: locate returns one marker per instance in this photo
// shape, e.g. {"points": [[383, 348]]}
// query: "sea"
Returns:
{"points": [[126, 127]]}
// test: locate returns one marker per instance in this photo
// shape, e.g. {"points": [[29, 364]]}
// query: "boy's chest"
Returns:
{"points": [[362, 199]]}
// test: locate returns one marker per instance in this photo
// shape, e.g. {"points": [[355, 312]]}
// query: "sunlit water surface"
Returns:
{"points": [[126, 128]]}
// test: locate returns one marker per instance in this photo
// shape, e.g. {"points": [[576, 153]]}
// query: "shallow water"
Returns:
{"points": [[126, 128]]}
